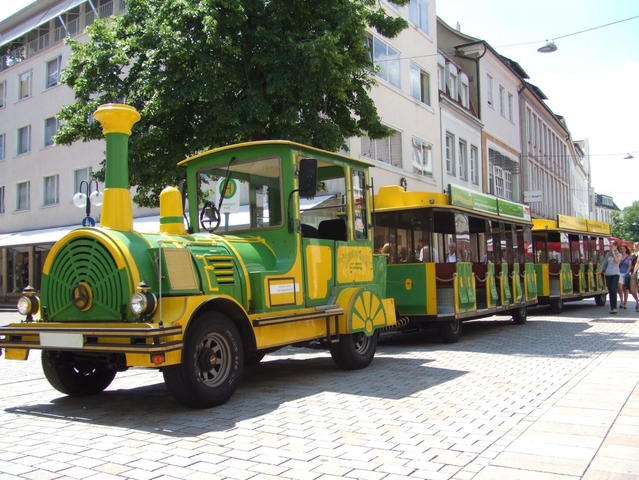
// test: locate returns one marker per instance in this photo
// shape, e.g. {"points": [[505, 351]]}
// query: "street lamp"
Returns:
{"points": [[549, 47], [95, 198]]}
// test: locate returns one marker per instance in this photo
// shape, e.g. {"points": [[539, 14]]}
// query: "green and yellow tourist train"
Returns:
{"points": [[270, 244], [204, 297], [567, 254], [455, 257]]}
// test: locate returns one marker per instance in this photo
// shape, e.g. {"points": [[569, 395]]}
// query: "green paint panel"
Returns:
{"points": [[531, 284], [519, 294], [492, 286], [566, 279], [407, 285], [86, 260], [540, 278], [506, 283]]}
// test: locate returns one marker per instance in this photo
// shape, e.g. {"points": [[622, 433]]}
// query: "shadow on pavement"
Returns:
{"points": [[264, 388], [569, 334]]}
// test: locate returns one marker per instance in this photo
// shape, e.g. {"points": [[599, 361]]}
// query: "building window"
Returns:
{"points": [[502, 100], [386, 150], [489, 90], [440, 77], [386, 60], [79, 176], [3, 145], [511, 106], [50, 128], [464, 95], [422, 158], [418, 14], [53, 72], [51, 188], [23, 194], [419, 84], [2, 199], [508, 185], [474, 165], [25, 83], [452, 86], [450, 153], [24, 140], [463, 160], [529, 125], [3, 94], [498, 174]]}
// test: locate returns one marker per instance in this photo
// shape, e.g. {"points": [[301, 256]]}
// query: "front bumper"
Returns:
{"points": [[103, 338]]}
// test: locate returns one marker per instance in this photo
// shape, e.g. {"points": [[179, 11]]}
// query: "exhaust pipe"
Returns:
{"points": [[117, 120]]}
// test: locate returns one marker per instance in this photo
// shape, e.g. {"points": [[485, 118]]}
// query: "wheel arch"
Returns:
{"points": [[235, 313]]}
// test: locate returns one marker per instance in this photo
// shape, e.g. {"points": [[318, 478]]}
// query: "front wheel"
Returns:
{"points": [[600, 300], [450, 330], [212, 363], [354, 351], [520, 315], [76, 379]]}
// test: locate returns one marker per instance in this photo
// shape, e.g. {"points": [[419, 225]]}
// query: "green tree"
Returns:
{"points": [[207, 73], [626, 226]]}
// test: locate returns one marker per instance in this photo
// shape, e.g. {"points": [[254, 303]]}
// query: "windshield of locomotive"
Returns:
{"points": [[248, 194]]}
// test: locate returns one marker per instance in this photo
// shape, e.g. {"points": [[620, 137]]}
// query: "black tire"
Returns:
{"points": [[600, 300], [556, 306], [212, 363], [450, 331], [253, 358], [520, 315], [76, 379], [354, 351]]}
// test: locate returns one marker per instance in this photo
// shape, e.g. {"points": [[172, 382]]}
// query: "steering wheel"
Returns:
{"points": [[208, 216]]}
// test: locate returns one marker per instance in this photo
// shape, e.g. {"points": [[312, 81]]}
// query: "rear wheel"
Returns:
{"points": [[354, 351], [75, 378], [520, 315], [556, 306], [212, 363], [600, 300], [450, 331]]}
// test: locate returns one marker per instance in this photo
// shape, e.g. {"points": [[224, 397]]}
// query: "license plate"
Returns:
{"points": [[61, 340]]}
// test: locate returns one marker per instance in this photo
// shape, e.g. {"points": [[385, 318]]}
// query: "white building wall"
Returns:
{"points": [[454, 125], [42, 161], [416, 121], [500, 124]]}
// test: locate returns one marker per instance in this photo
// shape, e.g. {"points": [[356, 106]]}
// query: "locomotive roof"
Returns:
{"points": [[275, 143]]}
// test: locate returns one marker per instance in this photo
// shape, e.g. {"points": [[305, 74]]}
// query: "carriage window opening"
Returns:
{"points": [[328, 207], [360, 209]]}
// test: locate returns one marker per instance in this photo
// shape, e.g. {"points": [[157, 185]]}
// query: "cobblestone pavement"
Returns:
{"points": [[555, 398]]}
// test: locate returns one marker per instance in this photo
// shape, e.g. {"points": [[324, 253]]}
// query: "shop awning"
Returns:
{"points": [[151, 224]]}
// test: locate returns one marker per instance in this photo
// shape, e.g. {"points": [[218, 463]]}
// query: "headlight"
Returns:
{"points": [[142, 303], [28, 305]]}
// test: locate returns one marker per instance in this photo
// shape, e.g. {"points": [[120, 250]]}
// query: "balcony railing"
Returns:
{"points": [[73, 28]]}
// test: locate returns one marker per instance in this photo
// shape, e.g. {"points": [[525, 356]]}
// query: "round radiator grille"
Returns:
{"points": [[85, 265]]}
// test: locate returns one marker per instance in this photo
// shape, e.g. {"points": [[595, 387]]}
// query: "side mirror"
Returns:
{"points": [[308, 177]]}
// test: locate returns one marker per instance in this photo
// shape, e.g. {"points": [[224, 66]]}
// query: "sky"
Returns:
{"points": [[592, 80]]}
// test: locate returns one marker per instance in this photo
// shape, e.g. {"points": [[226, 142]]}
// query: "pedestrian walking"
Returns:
{"points": [[610, 269]]}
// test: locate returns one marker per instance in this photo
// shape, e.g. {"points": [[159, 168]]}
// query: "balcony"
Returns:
{"points": [[73, 28]]}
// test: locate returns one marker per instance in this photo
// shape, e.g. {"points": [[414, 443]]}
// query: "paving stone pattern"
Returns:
{"points": [[555, 398]]}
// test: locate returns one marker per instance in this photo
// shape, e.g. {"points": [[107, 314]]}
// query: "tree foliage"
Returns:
{"points": [[207, 73], [626, 226]]}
